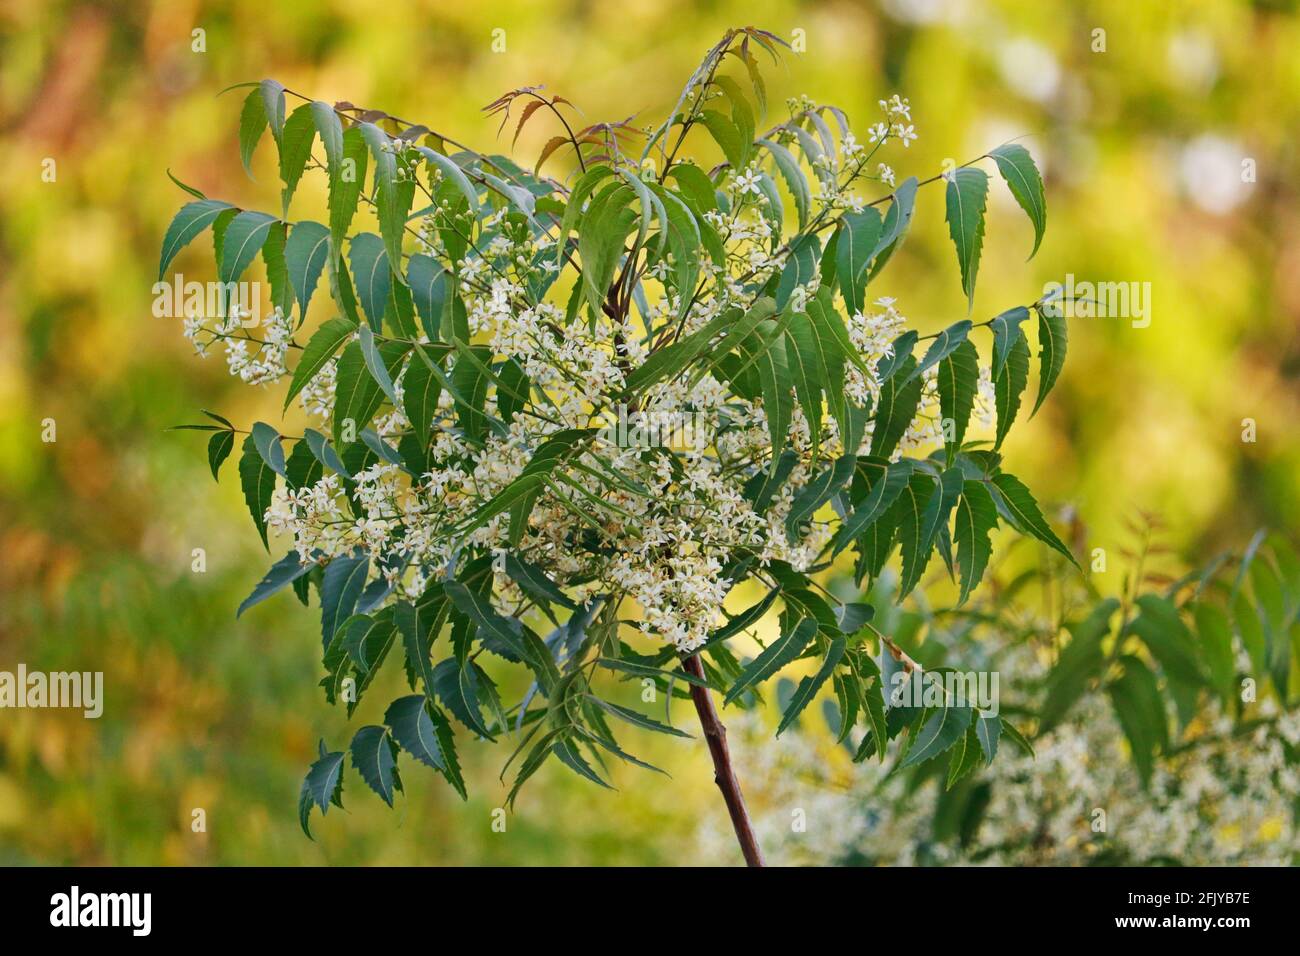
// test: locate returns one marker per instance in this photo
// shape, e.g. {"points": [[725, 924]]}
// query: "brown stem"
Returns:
{"points": [[723, 775]]}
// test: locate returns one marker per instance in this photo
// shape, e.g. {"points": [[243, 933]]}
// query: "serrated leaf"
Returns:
{"points": [[219, 447], [1052, 338], [319, 350], [283, 573], [809, 686], [966, 193], [942, 728], [958, 383], [1009, 385], [242, 242], [636, 718], [258, 482], [324, 781], [408, 719], [1018, 506], [795, 637], [1026, 185], [1006, 332], [1141, 713], [252, 123], [267, 441], [856, 243], [977, 516], [369, 264], [295, 150], [346, 180], [189, 222], [374, 758], [340, 589], [305, 254]]}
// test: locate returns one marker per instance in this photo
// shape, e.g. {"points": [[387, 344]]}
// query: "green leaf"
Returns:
{"points": [[428, 283], [727, 135], [252, 123], [636, 718], [900, 395], [794, 638], [1080, 662], [966, 193], [191, 220], [1026, 185], [393, 197], [412, 727], [457, 686], [295, 150], [897, 219], [340, 589], [324, 783], [242, 242], [645, 670], [809, 686], [277, 269], [1018, 506], [283, 573], [987, 731], [370, 266], [457, 176], [910, 508], [273, 99], [421, 389], [258, 481], [357, 394], [219, 446], [1006, 332], [859, 233], [958, 382], [1215, 632], [1167, 637], [944, 344], [890, 478], [346, 180], [1017, 738], [966, 756], [507, 632], [374, 755], [267, 440], [821, 489], [1141, 713], [375, 363], [305, 255], [533, 581], [1052, 338], [330, 128], [795, 180], [939, 731], [977, 516], [320, 349], [569, 755], [1009, 384]]}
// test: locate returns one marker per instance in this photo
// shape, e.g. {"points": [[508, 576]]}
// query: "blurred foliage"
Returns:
{"points": [[1141, 147]]}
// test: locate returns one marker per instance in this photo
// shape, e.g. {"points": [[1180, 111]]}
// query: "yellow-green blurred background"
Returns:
{"points": [[1142, 147]]}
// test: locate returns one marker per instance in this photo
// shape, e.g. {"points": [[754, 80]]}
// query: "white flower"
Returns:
{"points": [[905, 133]]}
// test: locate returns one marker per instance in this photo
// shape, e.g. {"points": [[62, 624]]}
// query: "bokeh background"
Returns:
{"points": [[1142, 147]]}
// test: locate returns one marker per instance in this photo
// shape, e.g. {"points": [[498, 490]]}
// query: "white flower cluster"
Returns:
{"points": [[255, 361], [657, 526], [1226, 801]]}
